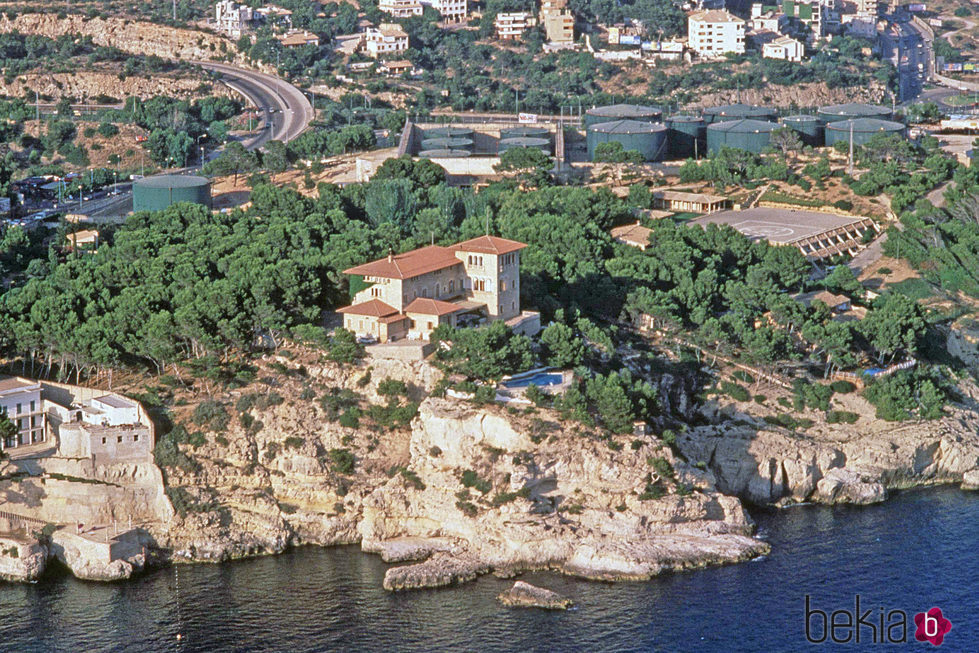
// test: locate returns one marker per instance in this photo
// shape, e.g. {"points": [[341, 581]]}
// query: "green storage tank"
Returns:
{"points": [[853, 111], [448, 132], [863, 130], [687, 136], [648, 138], [159, 192], [525, 132], [751, 135], [542, 144], [809, 128], [447, 143], [617, 112], [444, 154], [729, 112]]}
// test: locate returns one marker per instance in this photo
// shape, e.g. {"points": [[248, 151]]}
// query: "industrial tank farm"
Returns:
{"points": [[751, 135], [687, 136], [647, 138], [730, 112], [542, 144], [838, 112], [809, 128], [863, 129], [618, 112], [159, 192]]}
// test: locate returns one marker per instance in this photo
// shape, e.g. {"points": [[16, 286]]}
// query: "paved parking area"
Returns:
{"points": [[782, 226]]}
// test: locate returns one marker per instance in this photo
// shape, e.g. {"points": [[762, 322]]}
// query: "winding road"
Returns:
{"points": [[287, 110]]}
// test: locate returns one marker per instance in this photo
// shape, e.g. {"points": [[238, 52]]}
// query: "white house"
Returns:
{"points": [[452, 11], [401, 8], [387, 39], [714, 33], [512, 25], [785, 48], [20, 401]]}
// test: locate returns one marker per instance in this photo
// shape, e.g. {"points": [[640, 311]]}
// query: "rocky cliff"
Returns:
{"points": [[83, 86], [136, 37], [832, 463]]}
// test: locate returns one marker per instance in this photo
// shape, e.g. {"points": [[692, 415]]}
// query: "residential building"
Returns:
{"points": [[715, 33], [297, 39], [870, 8], [512, 25], [84, 240], [809, 14], [274, 16], [105, 429], [682, 201], [785, 48], [408, 295], [20, 401], [451, 11], [762, 20], [558, 21], [387, 39], [401, 8], [635, 235], [232, 18], [399, 67]]}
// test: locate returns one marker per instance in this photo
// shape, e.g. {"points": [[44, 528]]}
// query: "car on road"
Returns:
{"points": [[366, 340]]}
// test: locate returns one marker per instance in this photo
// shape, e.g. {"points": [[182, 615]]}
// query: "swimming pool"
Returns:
{"points": [[539, 379]]}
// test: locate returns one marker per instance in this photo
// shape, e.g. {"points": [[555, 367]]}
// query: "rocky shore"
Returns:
{"points": [[468, 490], [525, 595]]}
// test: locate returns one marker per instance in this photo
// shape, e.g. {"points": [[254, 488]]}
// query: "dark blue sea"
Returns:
{"points": [[917, 551]]}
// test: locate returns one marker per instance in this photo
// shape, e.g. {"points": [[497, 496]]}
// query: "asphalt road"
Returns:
{"points": [[286, 109]]}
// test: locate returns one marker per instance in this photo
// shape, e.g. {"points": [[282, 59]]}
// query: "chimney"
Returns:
{"points": [[390, 255]]}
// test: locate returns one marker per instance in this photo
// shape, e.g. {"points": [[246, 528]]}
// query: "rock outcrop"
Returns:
{"points": [[834, 463], [498, 496], [90, 558], [136, 37], [525, 595], [22, 559]]}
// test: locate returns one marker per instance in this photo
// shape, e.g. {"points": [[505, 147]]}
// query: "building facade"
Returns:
{"points": [[512, 25], [20, 401], [401, 8], [715, 33], [451, 11], [558, 21], [785, 48], [232, 18], [387, 39], [409, 295]]}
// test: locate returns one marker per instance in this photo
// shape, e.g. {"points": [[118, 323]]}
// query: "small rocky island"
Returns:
{"points": [[525, 595]]}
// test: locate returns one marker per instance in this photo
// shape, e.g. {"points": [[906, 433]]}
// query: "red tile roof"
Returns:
{"points": [[432, 307], [410, 264], [489, 245], [372, 308]]}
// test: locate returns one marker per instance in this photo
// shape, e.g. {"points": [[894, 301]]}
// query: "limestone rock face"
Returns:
{"points": [[835, 463], [130, 36], [525, 595], [90, 559], [566, 501], [22, 559], [970, 480]]}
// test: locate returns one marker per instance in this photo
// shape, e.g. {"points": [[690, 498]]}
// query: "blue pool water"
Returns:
{"points": [[540, 379], [913, 552]]}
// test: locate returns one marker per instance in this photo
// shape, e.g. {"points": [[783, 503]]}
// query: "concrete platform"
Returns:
{"points": [[779, 226]]}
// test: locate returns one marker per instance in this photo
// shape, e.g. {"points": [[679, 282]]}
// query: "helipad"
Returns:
{"points": [[817, 234]]}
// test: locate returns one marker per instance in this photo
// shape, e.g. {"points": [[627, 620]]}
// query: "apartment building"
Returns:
{"points": [[387, 39], [512, 25], [20, 401], [785, 48], [558, 21], [408, 295], [714, 33], [451, 11], [401, 8], [232, 18]]}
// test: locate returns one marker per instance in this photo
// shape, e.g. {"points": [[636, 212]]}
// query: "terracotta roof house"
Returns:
{"points": [[408, 295]]}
